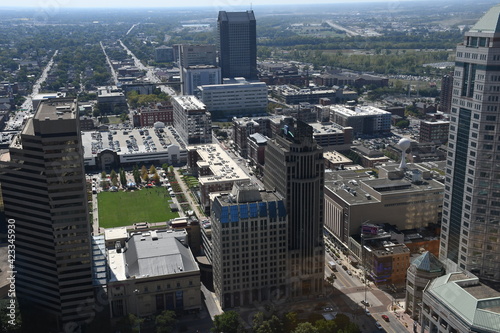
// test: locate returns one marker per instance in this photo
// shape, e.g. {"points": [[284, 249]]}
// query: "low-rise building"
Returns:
{"points": [[407, 199], [434, 131], [104, 150], [155, 271], [423, 269], [367, 120], [459, 303], [111, 99], [215, 169]]}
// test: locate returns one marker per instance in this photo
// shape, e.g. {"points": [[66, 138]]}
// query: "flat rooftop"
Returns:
{"points": [[130, 141], [190, 103], [221, 165], [326, 128], [115, 233], [54, 109], [359, 111], [336, 157]]}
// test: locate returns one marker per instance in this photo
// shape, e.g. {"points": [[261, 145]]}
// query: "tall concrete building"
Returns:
{"points": [[470, 238], [191, 120], [44, 191], [249, 265], [237, 44], [294, 167]]}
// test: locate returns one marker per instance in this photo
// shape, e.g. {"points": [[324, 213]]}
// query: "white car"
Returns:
{"points": [[377, 324]]}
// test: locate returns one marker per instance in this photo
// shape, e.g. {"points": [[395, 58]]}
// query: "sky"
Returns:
{"points": [[168, 3]]}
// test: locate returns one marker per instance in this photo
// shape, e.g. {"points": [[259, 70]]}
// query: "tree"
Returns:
{"points": [[144, 173], [156, 178], [152, 169], [325, 326], [114, 177], [103, 175], [228, 322], [136, 174], [403, 123], [165, 322], [305, 328], [273, 325], [164, 166], [123, 177], [290, 321], [129, 324]]}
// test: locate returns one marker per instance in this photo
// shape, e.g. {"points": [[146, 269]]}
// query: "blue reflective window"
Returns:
{"points": [[234, 214], [224, 216], [262, 209], [253, 210], [243, 211], [272, 209], [281, 209]]}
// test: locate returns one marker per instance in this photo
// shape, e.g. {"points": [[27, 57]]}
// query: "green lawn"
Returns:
{"points": [[118, 209]]}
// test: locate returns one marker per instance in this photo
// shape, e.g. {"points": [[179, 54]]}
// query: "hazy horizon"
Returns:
{"points": [[54, 4]]}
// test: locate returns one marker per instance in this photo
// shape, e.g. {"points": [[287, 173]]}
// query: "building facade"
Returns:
{"points": [[199, 75], [235, 99], [367, 120], [49, 206], [446, 93], [249, 240], [434, 131], [470, 237], [423, 269], [191, 120], [237, 32], [294, 168]]}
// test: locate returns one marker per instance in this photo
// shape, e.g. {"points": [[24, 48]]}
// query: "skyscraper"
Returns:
{"points": [[44, 191], [249, 265], [470, 237], [295, 169], [237, 44]]}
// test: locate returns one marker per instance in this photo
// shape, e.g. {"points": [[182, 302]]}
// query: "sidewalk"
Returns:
{"points": [[403, 317]]}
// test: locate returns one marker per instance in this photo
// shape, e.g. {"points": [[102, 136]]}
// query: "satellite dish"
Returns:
{"points": [[404, 144]]}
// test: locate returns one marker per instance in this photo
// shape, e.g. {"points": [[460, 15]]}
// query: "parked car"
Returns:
{"points": [[368, 312], [377, 324]]}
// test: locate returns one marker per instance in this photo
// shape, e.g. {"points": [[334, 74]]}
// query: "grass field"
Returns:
{"points": [[118, 209]]}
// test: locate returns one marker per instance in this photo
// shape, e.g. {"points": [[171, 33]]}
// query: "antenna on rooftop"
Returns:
{"points": [[251, 8]]}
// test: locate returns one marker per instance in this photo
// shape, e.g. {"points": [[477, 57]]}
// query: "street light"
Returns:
{"points": [[363, 262], [136, 293]]}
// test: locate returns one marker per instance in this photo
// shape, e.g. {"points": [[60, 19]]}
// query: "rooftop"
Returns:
{"points": [[189, 103], [221, 165], [490, 22], [151, 254], [358, 111], [428, 262], [130, 141], [468, 299]]}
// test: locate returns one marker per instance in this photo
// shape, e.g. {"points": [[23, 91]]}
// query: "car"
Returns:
{"points": [[377, 324], [368, 313], [344, 267], [385, 317], [365, 303], [349, 272], [328, 309]]}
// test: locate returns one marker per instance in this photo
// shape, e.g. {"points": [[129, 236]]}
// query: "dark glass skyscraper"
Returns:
{"points": [[470, 237], [44, 192], [237, 44], [295, 169]]}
